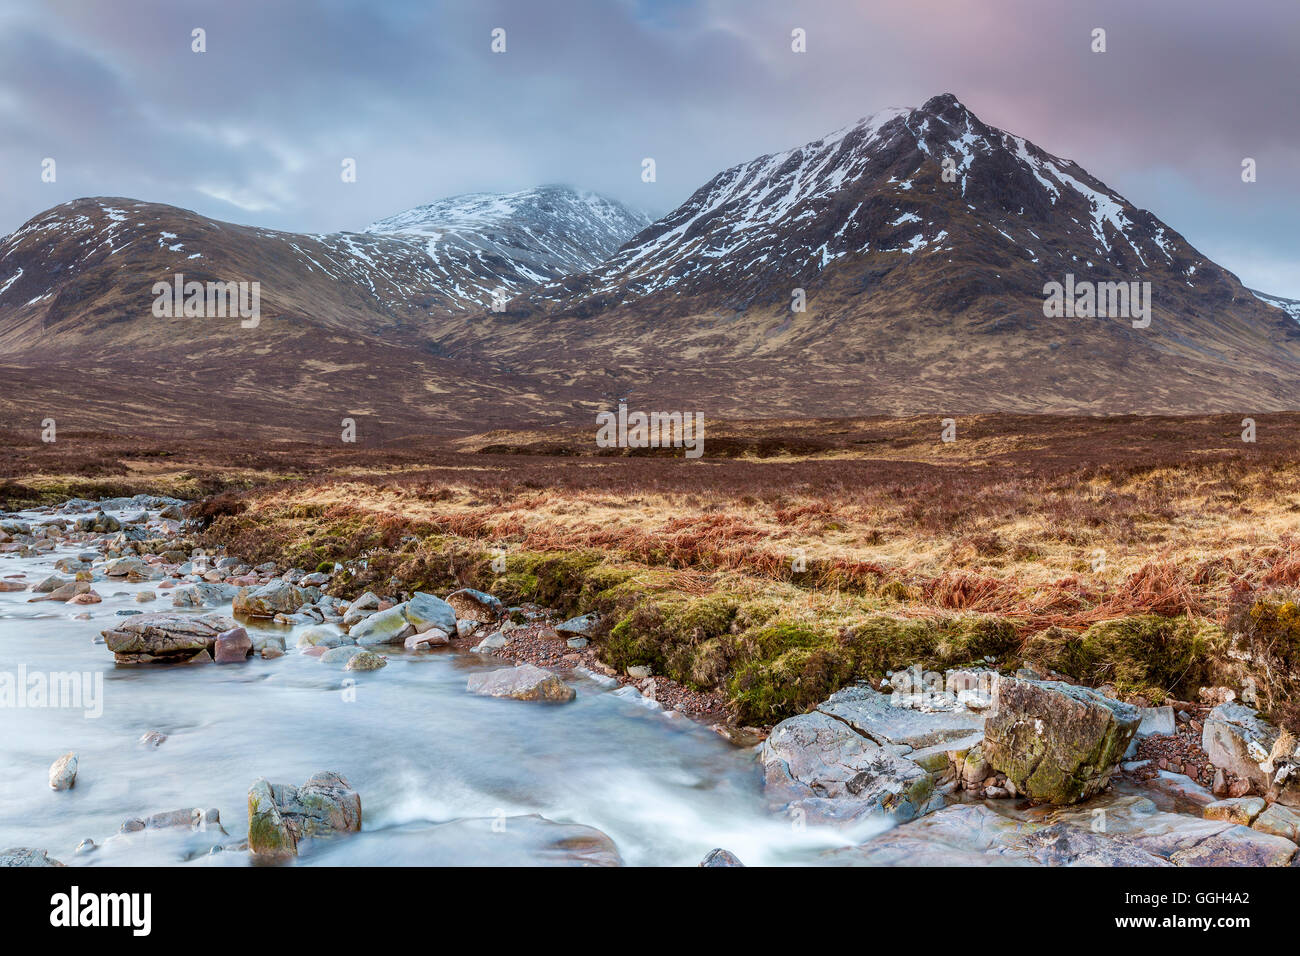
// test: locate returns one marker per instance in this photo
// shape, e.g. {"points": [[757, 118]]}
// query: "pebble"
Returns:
{"points": [[63, 772]]}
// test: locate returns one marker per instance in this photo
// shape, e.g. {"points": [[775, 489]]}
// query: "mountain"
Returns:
{"points": [[85, 269], [923, 291], [344, 321], [921, 242]]}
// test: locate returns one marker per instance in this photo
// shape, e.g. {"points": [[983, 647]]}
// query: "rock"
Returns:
{"points": [[152, 738], [425, 612], [578, 643], [493, 642], [582, 626], [1156, 720], [203, 594], [434, 637], [1279, 821], [263, 641], [638, 671], [367, 602], [1220, 786], [322, 637], [831, 773], [8, 586], [26, 856], [365, 661], [86, 846], [121, 567], [270, 653], [339, 655], [1241, 742], [64, 592], [86, 597], [1238, 846], [383, 627], [1179, 792], [720, 857], [316, 579], [975, 835], [165, 637], [277, 597], [1236, 810], [1056, 742], [475, 605], [281, 816], [523, 682], [63, 772], [144, 597], [918, 734], [233, 646], [52, 583]]}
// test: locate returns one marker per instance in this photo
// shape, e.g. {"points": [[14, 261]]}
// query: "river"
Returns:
{"points": [[445, 777]]}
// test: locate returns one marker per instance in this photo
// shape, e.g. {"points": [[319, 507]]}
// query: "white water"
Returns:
{"points": [[420, 750]]}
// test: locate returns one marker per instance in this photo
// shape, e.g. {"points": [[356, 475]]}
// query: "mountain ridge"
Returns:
{"points": [[920, 239]]}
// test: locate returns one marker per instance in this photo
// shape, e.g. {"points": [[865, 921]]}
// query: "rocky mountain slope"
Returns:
{"points": [[84, 271], [919, 243], [545, 233], [923, 290]]}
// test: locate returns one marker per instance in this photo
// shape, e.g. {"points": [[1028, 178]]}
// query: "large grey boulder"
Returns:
{"points": [[281, 816], [146, 638], [524, 682], [821, 767], [925, 737], [425, 612], [1056, 742], [276, 597], [383, 627]]}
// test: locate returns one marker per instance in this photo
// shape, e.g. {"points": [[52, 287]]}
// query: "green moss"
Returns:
{"points": [[1144, 655], [785, 667], [767, 690], [674, 635]]}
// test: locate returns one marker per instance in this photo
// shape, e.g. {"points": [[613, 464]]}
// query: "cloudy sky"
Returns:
{"points": [[254, 130]]}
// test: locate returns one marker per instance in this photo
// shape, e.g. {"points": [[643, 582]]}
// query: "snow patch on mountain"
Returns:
{"points": [[1290, 306]]}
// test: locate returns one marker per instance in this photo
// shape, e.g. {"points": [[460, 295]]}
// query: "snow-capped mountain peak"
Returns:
{"points": [[549, 231], [895, 187]]}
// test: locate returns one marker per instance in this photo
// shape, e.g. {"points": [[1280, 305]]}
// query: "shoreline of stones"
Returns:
{"points": [[991, 766]]}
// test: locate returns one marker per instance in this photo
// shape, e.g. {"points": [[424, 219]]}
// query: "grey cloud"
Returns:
{"points": [[590, 87]]}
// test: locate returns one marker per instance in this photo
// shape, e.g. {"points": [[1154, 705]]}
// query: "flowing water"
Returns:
{"points": [[445, 777]]}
